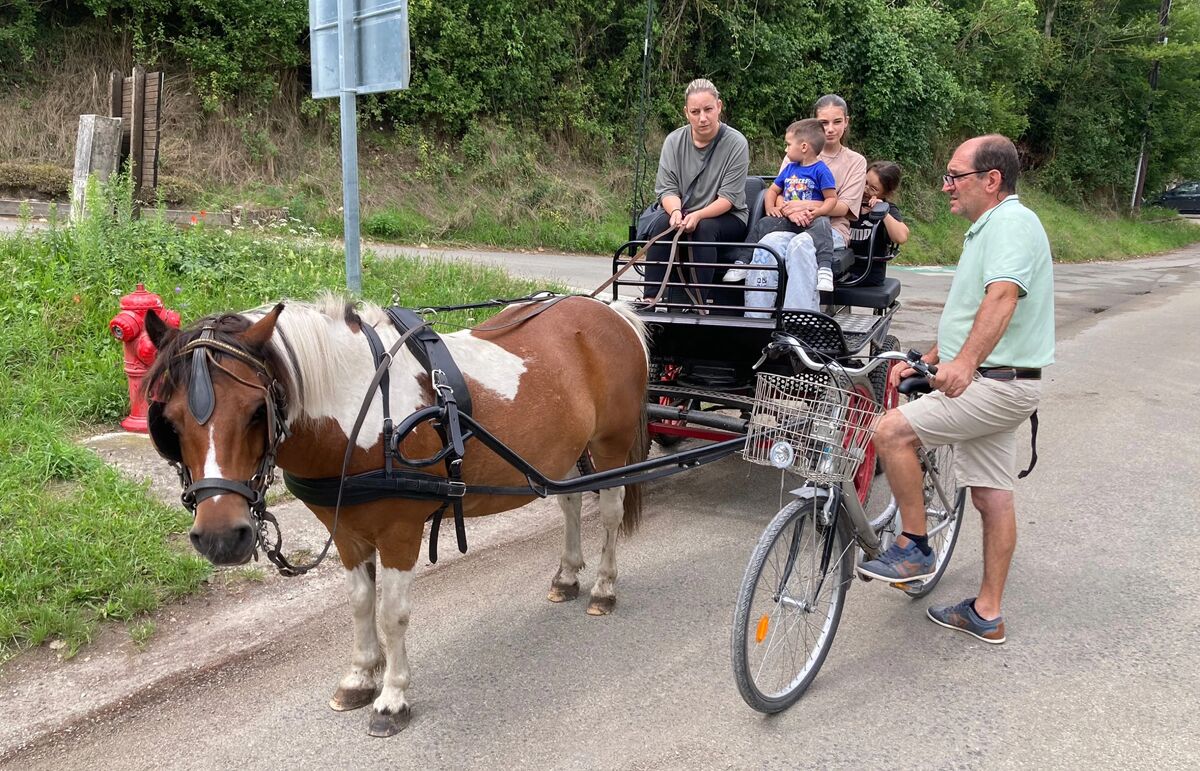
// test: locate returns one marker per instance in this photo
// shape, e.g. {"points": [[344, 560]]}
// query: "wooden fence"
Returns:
{"points": [[137, 101]]}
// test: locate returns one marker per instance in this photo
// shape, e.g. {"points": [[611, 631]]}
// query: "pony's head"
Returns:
{"points": [[217, 394]]}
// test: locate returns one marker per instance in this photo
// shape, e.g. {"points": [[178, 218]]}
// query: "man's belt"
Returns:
{"points": [[1010, 373]]}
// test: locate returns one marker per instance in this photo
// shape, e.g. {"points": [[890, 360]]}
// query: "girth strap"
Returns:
{"points": [[402, 483], [450, 389]]}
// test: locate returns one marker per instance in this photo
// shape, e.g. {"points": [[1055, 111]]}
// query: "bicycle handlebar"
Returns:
{"points": [[783, 341]]}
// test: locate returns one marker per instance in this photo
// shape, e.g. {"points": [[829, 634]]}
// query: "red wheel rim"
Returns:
{"points": [[866, 470]]}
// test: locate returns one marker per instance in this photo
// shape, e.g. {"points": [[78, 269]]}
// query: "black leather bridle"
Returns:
{"points": [[202, 401]]}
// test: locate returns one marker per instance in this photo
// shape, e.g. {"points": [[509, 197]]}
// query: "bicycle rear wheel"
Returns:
{"points": [[789, 606], [943, 516]]}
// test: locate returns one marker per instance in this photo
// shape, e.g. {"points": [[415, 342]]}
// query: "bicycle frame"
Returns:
{"points": [[844, 498]]}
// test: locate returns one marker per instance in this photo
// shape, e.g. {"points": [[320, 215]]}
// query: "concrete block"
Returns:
{"points": [[97, 153]]}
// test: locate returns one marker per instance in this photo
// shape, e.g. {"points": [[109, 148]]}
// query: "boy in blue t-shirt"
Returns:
{"points": [[803, 178]]}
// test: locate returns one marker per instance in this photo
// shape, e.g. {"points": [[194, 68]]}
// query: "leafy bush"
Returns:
{"points": [[1067, 78]]}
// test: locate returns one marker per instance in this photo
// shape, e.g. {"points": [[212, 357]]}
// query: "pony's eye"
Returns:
{"points": [[260, 415]]}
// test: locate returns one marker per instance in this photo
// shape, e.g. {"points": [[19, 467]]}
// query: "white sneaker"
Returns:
{"points": [[734, 275], [824, 280]]}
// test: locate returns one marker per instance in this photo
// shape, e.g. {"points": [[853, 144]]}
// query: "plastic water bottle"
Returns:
{"points": [[823, 432]]}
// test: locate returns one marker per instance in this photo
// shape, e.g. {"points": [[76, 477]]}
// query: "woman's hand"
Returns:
{"points": [[690, 221], [676, 218]]}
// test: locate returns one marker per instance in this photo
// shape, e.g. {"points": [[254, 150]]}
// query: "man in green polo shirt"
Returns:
{"points": [[995, 335]]}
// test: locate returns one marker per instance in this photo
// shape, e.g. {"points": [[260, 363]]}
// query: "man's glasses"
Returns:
{"points": [[951, 179]]}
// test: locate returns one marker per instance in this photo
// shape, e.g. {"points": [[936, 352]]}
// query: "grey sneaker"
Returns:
{"points": [[964, 618], [900, 565]]}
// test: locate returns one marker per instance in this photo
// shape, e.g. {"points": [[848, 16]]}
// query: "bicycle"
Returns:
{"points": [[793, 592]]}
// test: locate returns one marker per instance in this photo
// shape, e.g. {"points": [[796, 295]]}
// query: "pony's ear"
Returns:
{"points": [[260, 331], [160, 334]]}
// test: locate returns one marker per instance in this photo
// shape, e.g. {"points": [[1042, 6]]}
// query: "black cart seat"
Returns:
{"points": [[877, 297]]}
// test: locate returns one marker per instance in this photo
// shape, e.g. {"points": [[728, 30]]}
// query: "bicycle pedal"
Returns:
{"points": [[908, 586]]}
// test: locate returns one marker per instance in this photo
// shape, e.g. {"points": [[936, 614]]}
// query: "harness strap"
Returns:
{"points": [[1033, 427], [287, 569], [430, 350]]}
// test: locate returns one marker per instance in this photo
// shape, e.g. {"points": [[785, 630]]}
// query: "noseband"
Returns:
{"points": [[202, 400]]}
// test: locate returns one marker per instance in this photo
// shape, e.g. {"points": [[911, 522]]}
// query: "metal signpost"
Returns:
{"points": [[358, 47]]}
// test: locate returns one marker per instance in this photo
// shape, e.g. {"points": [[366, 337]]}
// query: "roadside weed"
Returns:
{"points": [[82, 544]]}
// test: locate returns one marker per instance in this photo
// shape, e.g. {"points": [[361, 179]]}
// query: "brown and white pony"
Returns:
{"points": [[567, 381]]}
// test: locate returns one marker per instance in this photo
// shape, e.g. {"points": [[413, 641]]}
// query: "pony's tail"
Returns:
{"points": [[633, 493]]}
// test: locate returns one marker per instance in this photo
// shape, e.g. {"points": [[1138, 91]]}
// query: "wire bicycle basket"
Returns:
{"points": [[810, 427]]}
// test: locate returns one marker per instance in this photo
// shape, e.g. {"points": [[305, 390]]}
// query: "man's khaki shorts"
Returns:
{"points": [[982, 423]]}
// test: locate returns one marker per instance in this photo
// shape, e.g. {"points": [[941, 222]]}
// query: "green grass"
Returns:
{"points": [[81, 544]]}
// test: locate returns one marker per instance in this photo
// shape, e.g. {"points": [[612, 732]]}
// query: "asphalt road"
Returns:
{"points": [[1102, 611]]}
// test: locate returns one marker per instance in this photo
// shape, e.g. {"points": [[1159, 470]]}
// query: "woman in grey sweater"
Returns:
{"points": [[701, 185]]}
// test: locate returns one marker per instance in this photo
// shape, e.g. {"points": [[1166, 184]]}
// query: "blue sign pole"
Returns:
{"points": [[348, 61], [358, 47]]}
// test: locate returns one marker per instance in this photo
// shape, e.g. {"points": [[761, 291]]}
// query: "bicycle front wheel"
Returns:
{"points": [[789, 606], [945, 501]]}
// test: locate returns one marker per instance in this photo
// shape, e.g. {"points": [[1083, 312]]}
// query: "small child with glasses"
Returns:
{"points": [[883, 181]]}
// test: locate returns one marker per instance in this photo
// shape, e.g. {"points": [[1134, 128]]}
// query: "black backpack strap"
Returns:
{"points": [[1033, 427], [712, 150]]}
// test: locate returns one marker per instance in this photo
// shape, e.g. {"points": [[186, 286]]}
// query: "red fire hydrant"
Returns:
{"points": [[129, 326]]}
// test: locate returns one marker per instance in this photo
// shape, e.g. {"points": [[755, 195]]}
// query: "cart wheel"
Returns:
{"points": [[879, 377], [869, 466], [789, 606]]}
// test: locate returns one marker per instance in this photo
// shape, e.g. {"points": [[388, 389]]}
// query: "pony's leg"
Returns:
{"points": [[604, 597], [391, 711], [357, 687], [565, 584]]}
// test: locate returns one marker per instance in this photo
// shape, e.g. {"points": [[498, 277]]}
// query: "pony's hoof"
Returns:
{"points": [[601, 606], [346, 699], [563, 592], [389, 725]]}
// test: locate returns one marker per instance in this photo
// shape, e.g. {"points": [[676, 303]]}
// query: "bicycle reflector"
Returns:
{"points": [[760, 633]]}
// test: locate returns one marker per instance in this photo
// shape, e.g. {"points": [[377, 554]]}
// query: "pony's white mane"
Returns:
{"points": [[317, 357]]}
